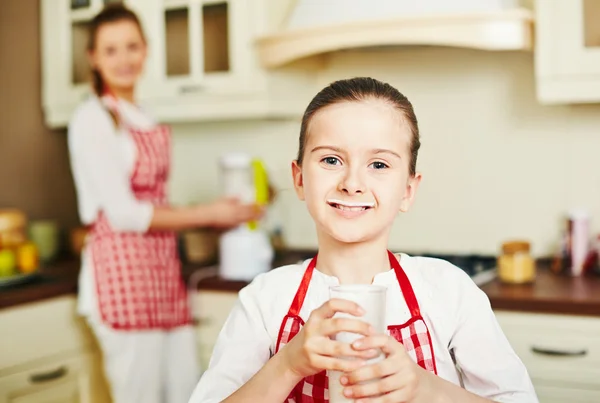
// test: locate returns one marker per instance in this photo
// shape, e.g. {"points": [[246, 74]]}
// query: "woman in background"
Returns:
{"points": [[131, 290]]}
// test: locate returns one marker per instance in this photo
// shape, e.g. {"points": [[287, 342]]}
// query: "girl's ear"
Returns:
{"points": [[411, 192], [298, 180]]}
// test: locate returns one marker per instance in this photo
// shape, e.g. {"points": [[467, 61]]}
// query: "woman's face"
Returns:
{"points": [[119, 54]]}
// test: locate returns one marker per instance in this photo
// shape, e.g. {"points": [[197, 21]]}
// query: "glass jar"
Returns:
{"points": [[516, 265]]}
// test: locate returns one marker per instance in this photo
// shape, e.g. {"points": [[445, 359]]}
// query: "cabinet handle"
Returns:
{"points": [[48, 376], [190, 89], [559, 353]]}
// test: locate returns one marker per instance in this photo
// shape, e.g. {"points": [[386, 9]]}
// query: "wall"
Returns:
{"points": [[34, 174], [496, 164]]}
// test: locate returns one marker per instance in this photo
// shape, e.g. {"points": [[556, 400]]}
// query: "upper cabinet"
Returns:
{"points": [[567, 51], [201, 64], [65, 69]]}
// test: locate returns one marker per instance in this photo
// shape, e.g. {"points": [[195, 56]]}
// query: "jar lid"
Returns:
{"points": [[236, 160], [512, 247]]}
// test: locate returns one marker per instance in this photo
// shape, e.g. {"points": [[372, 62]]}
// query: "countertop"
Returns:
{"points": [[550, 293]]}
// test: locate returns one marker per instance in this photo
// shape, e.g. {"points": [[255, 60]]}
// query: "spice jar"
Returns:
{"points": [[515, 265]]}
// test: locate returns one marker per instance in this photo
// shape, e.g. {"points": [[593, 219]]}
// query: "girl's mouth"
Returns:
{"points": [[350, 206]]}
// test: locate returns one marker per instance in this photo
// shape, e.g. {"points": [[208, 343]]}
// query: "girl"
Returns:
{"points": [[356, 169], [131, 288]]}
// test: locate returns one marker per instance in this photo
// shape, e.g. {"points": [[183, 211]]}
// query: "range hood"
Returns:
{"points": [[317, 27]]}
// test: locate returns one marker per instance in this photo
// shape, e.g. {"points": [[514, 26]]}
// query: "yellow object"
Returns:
{"points": [[515, 265], [7, 262], [261, 187], [27, 258]]}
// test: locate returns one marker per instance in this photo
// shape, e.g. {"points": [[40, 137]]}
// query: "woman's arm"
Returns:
{"points": [[97, 160], [222, 213]]}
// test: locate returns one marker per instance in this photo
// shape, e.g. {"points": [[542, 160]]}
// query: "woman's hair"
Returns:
{"points": [[359, 89], [112, 12]]}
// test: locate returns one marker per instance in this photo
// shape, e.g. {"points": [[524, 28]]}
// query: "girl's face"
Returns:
{"points": [[119, 54], [355, 171]]}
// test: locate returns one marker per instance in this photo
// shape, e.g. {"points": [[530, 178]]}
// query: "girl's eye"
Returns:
{"points": [[331, 160], [379, 165], [110, 51]]}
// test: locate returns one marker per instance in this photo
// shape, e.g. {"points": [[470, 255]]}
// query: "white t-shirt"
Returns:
{"points": [[102, 161], [456, 311]]}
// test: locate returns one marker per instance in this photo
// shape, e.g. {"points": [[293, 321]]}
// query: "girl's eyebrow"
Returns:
{"points": [[331, 148], [374, 151], [386, 151]]}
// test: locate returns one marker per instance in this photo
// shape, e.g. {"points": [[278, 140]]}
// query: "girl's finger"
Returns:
{"points": [[329, 327], [375, 388], [378, 341], [339, 349], [334, 305], [337, 364], [398, 396], [378, 370]]}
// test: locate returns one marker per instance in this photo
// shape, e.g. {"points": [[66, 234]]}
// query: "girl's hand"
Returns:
{"points": [[395, 379], [312, 350]]}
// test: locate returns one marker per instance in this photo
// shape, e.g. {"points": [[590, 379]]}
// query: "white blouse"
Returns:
{"points": [[458, 315], [102, 161]]}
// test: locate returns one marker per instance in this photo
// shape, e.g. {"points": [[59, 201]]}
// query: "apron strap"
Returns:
{"points": [[407, 290], [302, 289], [403, 281]]}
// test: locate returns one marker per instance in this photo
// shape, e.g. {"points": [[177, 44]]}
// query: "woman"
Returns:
{"points": [[130, 284]]}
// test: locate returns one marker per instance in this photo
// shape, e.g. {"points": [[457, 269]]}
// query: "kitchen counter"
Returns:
{"points": [[551, 293], [60, 278]]}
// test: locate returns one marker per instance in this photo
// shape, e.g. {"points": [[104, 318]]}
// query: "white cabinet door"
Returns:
{"points": [[561, 353], [568, 51], [67, 380], [196, 48], [211, 309]]}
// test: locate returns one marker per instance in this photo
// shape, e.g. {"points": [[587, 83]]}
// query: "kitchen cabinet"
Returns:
{"points": [[202, 64], [561, 353], [65, 68], [49, 355], [567, 51], [211, 309], [71, 379]]}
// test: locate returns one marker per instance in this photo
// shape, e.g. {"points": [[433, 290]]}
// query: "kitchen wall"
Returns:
{"points": [[34, 168], [496, 164]]}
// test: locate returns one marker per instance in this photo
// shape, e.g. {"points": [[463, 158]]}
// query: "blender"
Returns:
{"points": [[245, 251]]}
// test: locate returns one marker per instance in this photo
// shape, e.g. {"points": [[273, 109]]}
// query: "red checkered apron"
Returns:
{"points": [[413, 334], [138, 275]]}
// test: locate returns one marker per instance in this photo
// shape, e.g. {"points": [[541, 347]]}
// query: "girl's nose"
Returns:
{"points": [[352, 183]]}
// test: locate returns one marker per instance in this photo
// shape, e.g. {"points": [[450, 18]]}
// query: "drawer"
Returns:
{"points": [[42, 329], [211, 309], [565, 393], [556, 348]]}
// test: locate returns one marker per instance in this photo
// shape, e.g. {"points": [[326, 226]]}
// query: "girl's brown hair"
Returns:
{"points": [[358, 89], [112, 12]]}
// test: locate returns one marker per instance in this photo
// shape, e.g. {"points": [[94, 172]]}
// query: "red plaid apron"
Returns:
{"points": [[413, 334], [138, 276]]}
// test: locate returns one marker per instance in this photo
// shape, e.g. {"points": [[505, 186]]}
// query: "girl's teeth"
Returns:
{"points": [[346, 208]]}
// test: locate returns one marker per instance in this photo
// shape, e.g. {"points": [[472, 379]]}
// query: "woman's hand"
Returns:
{"points": [[312, 350], [395, 379], [229, 213]]}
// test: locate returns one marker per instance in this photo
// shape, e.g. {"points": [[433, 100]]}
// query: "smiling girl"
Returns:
{"points": [[130, 286], [356, 170]]}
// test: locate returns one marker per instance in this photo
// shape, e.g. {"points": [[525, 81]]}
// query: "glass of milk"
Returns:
{"points": [[372, 298]]}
